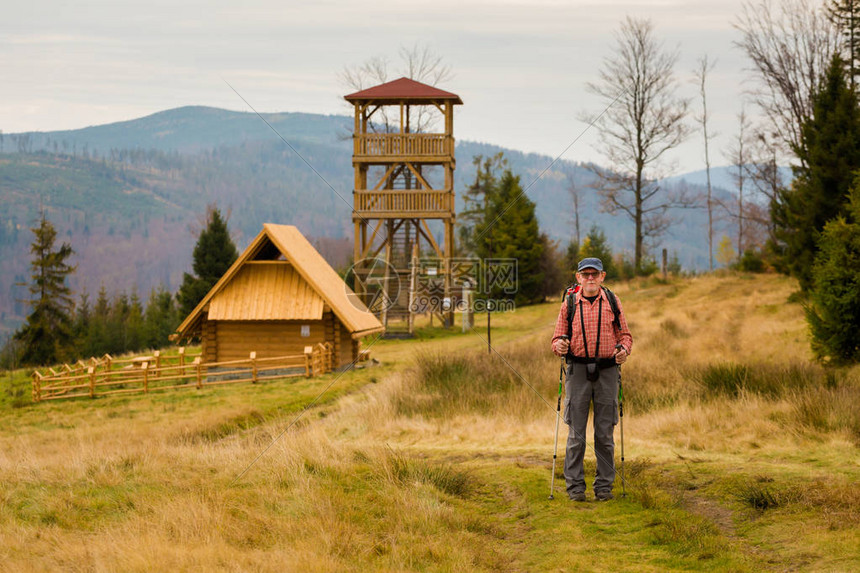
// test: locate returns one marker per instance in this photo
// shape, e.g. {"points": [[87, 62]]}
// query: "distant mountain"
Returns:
{"points": [[129, 196], [723, 177], [188, 130]]}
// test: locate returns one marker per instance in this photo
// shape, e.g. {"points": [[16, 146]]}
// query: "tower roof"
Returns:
{"points": [[403, 90]]}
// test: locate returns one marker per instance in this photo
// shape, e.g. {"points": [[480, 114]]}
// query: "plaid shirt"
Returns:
{"points": [[609, 336]]}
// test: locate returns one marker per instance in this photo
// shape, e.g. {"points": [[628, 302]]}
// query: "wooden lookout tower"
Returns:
{"points": [[403, 157]]}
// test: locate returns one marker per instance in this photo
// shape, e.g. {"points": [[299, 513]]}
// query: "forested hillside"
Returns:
{"points": [[129, 196]]}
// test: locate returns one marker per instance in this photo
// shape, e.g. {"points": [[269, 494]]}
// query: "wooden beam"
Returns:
{"points": [[385, 177], [419, 177], [387, 240], [366, 248], [429, 236]]}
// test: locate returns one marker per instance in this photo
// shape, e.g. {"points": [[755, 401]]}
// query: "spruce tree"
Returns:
{"points": [[834, 310], [829, 156], [46, 336], [595, 245], [213, 255], [160, 319], [475, 199], [571, 259], [509, 231]]}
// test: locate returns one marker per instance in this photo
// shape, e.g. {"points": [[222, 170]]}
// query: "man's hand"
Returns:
{"points": [[560, 346], [620, 355]]}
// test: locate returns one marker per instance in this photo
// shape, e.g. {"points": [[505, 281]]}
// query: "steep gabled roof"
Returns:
{"points": [[402, 90], [307, 263], [266, 290]]}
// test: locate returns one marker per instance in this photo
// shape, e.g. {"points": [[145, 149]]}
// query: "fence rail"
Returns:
{"points": [[106, 376]]}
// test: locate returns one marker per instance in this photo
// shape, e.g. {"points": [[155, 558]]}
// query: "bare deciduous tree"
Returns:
{"points": [[737, 153], [643, 120], [575, 193], [790, 48], [845, 15], [701, 73], [419, 63], [762, 169]]}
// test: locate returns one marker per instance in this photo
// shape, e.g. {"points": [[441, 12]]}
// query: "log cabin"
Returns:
{"points": [[279, 297]]}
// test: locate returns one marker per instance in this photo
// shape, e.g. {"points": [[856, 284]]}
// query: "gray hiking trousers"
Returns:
{"points": [[579, 394]]}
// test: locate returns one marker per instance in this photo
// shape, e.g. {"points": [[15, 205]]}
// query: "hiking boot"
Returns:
{"points": [[577, 496], [603, 495]]}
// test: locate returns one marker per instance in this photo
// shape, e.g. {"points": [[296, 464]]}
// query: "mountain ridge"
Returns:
{"points": [[126, 195]]}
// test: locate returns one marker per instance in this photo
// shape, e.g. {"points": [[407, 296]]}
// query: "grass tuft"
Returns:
{"points": [[773, 381], [402, 470], [228, 427], [828, 410], [760, 496]]}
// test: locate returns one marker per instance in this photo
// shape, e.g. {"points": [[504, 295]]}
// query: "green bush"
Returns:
{"points": [[751, 262]]}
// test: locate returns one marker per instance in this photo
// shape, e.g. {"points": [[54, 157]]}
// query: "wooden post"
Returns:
{"points": [[413, 284], [308, 370], [199, 372], [145, 367], [182, 361], [157, 355], [665, 266], [92, 372], [253, 367], [37, 386]]}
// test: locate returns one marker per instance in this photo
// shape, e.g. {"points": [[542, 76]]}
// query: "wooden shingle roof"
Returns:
{"points": [[296, 287]]}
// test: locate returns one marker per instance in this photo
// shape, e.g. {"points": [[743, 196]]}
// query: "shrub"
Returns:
{"points": [[751, 262]]}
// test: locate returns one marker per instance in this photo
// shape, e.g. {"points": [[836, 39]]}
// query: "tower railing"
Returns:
{"points": [[406, 201], [402, 144]]}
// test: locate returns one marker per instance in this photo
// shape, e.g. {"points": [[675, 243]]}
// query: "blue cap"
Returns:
{"points": [[590, 263]]}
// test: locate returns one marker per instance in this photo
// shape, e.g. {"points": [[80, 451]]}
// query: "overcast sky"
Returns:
{"points": [[521, 67]]}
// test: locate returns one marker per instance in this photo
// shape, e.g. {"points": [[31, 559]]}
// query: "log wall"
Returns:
{"points": [[236, 339]]}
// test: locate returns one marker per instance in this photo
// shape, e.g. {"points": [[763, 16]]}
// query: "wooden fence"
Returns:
{"points": [[105, 376]]}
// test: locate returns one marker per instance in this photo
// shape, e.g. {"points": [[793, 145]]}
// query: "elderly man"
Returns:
{"points": [[592, 334]]}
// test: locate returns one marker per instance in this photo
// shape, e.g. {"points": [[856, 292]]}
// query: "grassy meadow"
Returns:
{"points": [[741, 455]]}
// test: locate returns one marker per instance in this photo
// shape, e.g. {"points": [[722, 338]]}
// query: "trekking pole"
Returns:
{"points": [[621, 418], [557, 420]]}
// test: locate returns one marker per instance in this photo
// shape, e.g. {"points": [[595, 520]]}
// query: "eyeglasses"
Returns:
{"points": [[592, 275]]}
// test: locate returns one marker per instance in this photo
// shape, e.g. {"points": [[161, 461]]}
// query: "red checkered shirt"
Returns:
{"points": [[609, 335]]}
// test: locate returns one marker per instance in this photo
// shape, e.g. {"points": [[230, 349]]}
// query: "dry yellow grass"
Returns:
{"points": [[395, 475]]}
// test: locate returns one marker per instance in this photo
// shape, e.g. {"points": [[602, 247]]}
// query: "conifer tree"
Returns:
{"points": [[829, 155], [595, 245], [213, 255], [475, 199], [571, 259], [161, 318], [46, 335], [509, 231], [834, 310]]}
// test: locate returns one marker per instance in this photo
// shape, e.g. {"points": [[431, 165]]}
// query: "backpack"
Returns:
{"points": [[569, 296]]}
